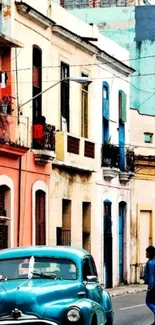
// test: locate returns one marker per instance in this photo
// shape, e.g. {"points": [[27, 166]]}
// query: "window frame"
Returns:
{"points": [[84, 109], [150, 135], [65, 93], [37, 102]]}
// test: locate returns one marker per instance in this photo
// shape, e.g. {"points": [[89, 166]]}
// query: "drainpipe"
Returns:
{"points": [[19, 199], [17, 86]]}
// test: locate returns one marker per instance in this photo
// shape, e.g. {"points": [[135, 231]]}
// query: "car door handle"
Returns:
{"points": [[81, 293]]}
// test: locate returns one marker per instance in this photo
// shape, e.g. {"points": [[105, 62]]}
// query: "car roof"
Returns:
{"points": [[53, 251]]}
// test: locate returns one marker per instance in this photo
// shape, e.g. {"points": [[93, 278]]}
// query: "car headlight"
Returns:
{"points": [[73, 315]]}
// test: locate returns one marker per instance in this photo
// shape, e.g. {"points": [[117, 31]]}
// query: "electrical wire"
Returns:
{"points": [[85, 65], [93, 78]]}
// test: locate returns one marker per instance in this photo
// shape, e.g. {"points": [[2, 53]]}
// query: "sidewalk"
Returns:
{"points": [[127, 289]]}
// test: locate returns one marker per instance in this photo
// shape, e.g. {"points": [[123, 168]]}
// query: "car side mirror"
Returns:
{"points": [[91, 278]]}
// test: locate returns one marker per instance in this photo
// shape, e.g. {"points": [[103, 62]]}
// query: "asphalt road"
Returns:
{"points": [[131, 310]]}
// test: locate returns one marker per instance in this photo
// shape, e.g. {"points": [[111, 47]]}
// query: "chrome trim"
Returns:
{"points": [[16, 321], [21, 316]]}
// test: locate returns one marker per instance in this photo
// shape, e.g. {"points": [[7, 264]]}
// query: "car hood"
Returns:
{"points": [[36, 295]]}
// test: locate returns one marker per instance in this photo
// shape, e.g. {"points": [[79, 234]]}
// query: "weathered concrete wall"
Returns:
{"points": [[145, 23], [5, 18], [133, 28], [142, 218]]}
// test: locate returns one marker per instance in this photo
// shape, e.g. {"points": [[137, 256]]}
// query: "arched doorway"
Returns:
{"points": [[5, 202], [121, 233], [40, 224], [107, 245]]}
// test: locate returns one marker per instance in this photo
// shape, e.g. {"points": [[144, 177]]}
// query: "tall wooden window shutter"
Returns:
{"points": [[122, 106]]}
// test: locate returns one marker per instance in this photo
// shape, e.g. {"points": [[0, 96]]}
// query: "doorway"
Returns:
{"points": [[108, 255], [121, 228], [40, 217], [145, 233], [4, 217]]}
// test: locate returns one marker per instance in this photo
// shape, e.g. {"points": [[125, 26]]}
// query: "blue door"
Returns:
{"points": [[107, 244], [121, 240], [122, 145]]}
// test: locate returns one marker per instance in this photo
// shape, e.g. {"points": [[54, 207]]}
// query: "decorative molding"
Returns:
{"points": [[122, 198], [33, 14], [110, 173], [43, 156], [114, 63]]}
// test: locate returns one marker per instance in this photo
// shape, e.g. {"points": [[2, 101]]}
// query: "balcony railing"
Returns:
{"points": [[14, 130], [44, 137], [130, 161], [111, 158], [63, 237]]}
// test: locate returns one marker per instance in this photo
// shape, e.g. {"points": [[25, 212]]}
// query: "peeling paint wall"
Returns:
{"points": [[5, 17], [133, 28]]}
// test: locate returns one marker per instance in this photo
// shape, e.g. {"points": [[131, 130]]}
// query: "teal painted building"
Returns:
{"points": [[133, 28]]}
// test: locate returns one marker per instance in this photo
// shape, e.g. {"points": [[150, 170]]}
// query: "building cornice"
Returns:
{"points": [[74, 39], [26, 10], [114, 63], [90, 48], [83, 43]]}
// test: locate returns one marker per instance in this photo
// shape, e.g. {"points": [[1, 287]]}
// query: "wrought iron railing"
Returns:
{"points": [[111, 158], [44, 137], [14, 130], [130, 161]]}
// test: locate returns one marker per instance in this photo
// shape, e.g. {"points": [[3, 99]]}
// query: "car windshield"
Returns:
{"points": [[32, 267]]}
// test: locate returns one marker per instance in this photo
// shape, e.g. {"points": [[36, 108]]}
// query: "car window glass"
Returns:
{"points": [[19, 268], [93, 266], [86, 271]]}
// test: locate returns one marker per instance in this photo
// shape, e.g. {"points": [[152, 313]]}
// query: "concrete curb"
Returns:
{"points": [[126, 291]]}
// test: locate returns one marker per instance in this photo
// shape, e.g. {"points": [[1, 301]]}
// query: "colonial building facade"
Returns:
{"points": [[65, 165], [131, 26]]}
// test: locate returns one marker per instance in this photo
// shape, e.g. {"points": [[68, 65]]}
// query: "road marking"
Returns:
{"points": [[130, 307]]}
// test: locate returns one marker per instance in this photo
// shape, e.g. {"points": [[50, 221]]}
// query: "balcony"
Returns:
{"points": [[6, 39], [128, 172], [111, 163], [13, 135], [75, 152], [43, 143]]}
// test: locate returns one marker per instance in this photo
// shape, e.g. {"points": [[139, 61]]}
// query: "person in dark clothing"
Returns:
{"points": [[149, 279]]}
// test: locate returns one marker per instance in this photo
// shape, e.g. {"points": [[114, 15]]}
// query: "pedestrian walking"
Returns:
{"points": [[149, 279]]}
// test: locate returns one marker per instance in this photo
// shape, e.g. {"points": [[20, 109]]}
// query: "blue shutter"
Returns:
{"points": [[123, 107], [105, 103]]}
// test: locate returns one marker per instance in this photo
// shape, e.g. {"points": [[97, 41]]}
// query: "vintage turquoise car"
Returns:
{"points": [[51, 285]]}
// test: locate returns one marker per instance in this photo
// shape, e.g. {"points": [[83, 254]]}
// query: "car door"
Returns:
{"points": [[93, 288]]}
